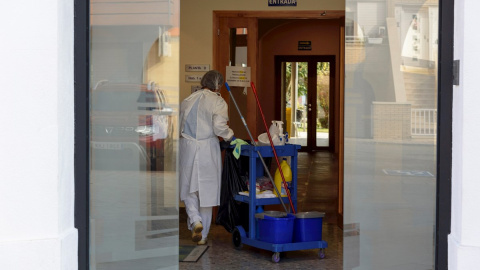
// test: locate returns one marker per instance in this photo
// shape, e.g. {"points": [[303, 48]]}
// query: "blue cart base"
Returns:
{"points": [[240, 238]]}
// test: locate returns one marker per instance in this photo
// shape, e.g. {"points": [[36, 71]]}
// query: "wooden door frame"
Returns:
{"points": [[251, 18], [332, 94]]}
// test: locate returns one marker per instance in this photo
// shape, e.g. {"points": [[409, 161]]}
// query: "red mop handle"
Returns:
{"points": [[273, 148]]}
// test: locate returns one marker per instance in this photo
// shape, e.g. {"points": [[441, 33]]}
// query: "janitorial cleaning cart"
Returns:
{"points": [[270, 231], [266, 231]]}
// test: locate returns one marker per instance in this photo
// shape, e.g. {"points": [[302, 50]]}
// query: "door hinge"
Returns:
{"points": [[456, 72], [218, 32]]}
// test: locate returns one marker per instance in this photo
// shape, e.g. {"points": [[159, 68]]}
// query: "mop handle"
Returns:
{"points": [[255, 144], [273, 147]]}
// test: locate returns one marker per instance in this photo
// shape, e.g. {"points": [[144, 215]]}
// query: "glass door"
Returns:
{"points": [[306, 85], [133, 222], [390, 151]]}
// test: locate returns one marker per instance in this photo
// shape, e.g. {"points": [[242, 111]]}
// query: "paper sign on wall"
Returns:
{"points": [[238, 76]]}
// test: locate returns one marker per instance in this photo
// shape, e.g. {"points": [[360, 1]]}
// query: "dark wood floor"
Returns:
{"points": [[318, 184]]}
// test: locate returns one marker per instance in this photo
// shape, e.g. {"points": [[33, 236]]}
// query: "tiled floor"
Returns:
{"points": [[317, 191]]}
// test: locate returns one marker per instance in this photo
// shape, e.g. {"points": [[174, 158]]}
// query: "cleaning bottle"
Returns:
{"points": [[276, 132], [287, 173]]}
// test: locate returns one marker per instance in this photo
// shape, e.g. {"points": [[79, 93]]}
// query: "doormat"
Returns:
{"points": [[190, 253]]}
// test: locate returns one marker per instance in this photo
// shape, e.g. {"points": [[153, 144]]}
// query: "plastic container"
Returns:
{"points": [[275, 230], [308, 226], [287, 173], [261, 215], [276, 139]]}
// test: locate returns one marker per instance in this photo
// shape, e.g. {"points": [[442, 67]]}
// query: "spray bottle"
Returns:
{"points": [[276, 131]]}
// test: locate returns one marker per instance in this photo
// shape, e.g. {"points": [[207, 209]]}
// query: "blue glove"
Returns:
{"points": [[238, 146]]}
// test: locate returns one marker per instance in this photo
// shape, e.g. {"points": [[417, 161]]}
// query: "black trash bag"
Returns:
{"points": [[232, 213], [224, 145]]}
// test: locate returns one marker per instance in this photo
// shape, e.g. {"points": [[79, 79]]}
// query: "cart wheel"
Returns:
{"points": [[276, 257], [321, 253], [237, 239]]}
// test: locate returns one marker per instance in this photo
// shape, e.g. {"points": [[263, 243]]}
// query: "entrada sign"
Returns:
{"points": [[282, 3]]}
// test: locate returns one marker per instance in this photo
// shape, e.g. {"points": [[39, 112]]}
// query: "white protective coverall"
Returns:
{"points": [[203, 117]]}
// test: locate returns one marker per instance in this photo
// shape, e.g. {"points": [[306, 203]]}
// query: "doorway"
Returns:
{"points": [[364, 45], [306, 85]]}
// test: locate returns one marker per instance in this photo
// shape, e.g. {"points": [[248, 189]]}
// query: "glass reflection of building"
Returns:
{"points": [[391, 51], [393, 48], [134, 90]]}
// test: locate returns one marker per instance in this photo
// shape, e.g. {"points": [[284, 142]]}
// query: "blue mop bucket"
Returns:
{"points": [[276, 214], [276, 230], [308, 226]]}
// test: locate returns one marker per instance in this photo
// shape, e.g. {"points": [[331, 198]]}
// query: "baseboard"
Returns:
{"points": [[461, 257], [69, 249], [41, 254]]}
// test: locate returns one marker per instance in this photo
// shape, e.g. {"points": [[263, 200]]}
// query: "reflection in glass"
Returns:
{"points": [[133, 108], [390, 134], [238, 47]]}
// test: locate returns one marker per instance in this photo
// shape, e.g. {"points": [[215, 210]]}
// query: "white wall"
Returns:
{"points": [[464, 240], [36, 146]]}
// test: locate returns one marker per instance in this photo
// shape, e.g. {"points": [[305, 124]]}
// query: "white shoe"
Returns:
{"points": [[197, 231], [202, 242]]}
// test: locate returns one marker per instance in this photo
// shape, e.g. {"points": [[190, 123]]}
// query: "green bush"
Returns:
{"points": [[324, 122]]}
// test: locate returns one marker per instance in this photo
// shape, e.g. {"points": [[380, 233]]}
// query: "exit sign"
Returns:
{"points": [[305, 45]]}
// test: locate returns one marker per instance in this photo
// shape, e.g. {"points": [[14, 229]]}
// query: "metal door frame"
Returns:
{"points": [[444, 138], [82, 128]]}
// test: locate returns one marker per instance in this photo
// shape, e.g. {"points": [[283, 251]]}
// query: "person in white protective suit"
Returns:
{"points": [[203, 118]]}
